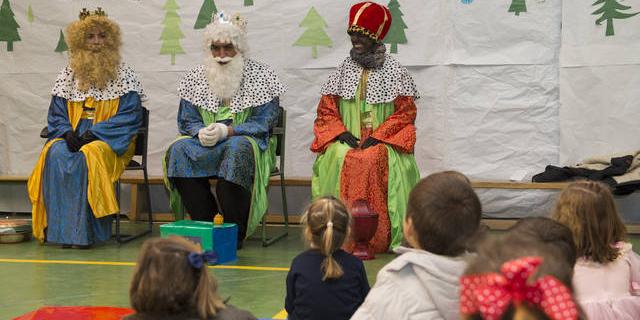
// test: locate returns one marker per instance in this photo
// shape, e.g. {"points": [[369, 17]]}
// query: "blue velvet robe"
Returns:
{"points": [[70, 219], [231, 159]]}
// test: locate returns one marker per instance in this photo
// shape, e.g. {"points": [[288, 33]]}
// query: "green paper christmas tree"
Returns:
{"points": [[248, 3], [8, 25], [62, 45], [396, 31], [171, 34], [610, 10], [30, 17], [315, 35], [206, 11], [518, 6]]}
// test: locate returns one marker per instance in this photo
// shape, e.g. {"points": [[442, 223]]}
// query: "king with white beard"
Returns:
{"points": [[228, 106]]}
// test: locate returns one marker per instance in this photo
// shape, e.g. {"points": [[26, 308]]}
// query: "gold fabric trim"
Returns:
{"points": [[363, 31], [360, 11]]}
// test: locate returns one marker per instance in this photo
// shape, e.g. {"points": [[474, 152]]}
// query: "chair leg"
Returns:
{"points": [[269, 241], [285, 210], [118, 214], [126, 238], [148, 189]]}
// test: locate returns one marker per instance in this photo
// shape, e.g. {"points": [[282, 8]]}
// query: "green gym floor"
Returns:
{"points": [[32, 276]]}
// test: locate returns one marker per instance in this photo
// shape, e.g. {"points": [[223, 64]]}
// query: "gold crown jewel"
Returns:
{"points": [[84, 13]]}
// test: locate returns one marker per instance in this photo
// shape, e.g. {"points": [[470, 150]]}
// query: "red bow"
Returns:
{"points": [[490, 294]]}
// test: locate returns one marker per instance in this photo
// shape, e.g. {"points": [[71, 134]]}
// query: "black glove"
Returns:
{"points": [[73, 141], [87, 137], [349, 139], [370, 142]]}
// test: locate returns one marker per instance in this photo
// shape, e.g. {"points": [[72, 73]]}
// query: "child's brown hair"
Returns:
{"points": [[327, 225], [166, 283], [547, 231], [588, 209], [445, 213]]}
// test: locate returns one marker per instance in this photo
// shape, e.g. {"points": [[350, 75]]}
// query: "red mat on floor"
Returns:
{"points": [[76, 313]]}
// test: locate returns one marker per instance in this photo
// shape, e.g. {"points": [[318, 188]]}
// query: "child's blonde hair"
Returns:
{"points": [[166, 283], [588, 209], [326, 226]]}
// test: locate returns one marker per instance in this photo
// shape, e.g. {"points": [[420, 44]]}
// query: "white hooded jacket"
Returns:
{"points": [[416, 285]]}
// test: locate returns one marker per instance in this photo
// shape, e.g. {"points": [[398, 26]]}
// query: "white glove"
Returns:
{"points": [[222, 130], [207, 137]]}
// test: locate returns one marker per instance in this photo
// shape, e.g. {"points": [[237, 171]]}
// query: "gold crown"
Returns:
{"points": [[86, 13]]}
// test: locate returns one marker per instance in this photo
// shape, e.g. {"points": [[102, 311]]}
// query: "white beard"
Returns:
{"points": [[224, 79]]}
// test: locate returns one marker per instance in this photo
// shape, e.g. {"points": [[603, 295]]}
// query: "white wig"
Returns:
{"points": [[226, 32]]}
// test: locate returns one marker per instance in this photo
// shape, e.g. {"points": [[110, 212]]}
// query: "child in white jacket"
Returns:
{"points": [[443, 214]]}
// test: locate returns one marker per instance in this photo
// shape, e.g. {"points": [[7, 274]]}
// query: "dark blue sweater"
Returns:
{"points": [[308, 297]]}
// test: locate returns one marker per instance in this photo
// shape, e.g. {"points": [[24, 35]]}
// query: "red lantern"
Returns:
{"points": [[365, 223]]}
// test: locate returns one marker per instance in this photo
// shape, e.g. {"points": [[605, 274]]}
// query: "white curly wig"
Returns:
{"points": [[227, 33]]}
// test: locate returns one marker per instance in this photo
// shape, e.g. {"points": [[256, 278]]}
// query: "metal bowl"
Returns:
{"points": [[14, 237]]}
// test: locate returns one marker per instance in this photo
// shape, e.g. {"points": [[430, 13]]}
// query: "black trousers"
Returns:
{"points": [[201, 204]]}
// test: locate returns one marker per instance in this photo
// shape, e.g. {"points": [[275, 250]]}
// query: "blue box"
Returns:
{"points": [[223, 239]]}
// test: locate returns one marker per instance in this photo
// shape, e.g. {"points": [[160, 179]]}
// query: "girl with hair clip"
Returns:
{"points": [[325, 282], [171, 282], [522, 279], [607, 273]]}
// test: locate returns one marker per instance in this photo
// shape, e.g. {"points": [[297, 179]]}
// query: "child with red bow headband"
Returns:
{"points": [[607, 273], [518, 279]]}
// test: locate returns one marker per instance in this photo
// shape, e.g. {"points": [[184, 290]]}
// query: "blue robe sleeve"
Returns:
{"points": [[58, 118], [118, 130], [189, 119], [259, 123]]}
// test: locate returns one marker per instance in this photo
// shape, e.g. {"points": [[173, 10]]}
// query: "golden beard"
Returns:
{"points": [[94, 68]]}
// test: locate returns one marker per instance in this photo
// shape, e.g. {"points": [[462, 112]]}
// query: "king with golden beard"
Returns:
{"points": [[94, 46], [93, 118]]}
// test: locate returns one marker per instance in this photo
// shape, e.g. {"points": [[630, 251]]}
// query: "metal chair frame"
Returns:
{"points": [[142, 142]]}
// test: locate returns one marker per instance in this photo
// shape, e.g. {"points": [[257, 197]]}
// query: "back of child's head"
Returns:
{"points": [[327, 225], [547, 231], [512, 278], [170, 278], [445, 213], [588, 209]]}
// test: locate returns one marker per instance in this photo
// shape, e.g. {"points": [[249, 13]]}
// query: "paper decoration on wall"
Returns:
{"points": [[610, 10], [62, 44], [248, 3], [467, 1], [518, 6], [315, 35], [8, 25], [171, 34], [396, 31], [207, 10], [30, 17]]}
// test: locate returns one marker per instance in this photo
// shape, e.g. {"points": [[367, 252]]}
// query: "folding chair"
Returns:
{"points": [[279, 131], [141, 151]]}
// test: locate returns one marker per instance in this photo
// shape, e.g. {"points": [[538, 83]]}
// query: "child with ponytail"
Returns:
{"points": [[325, 282]]}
